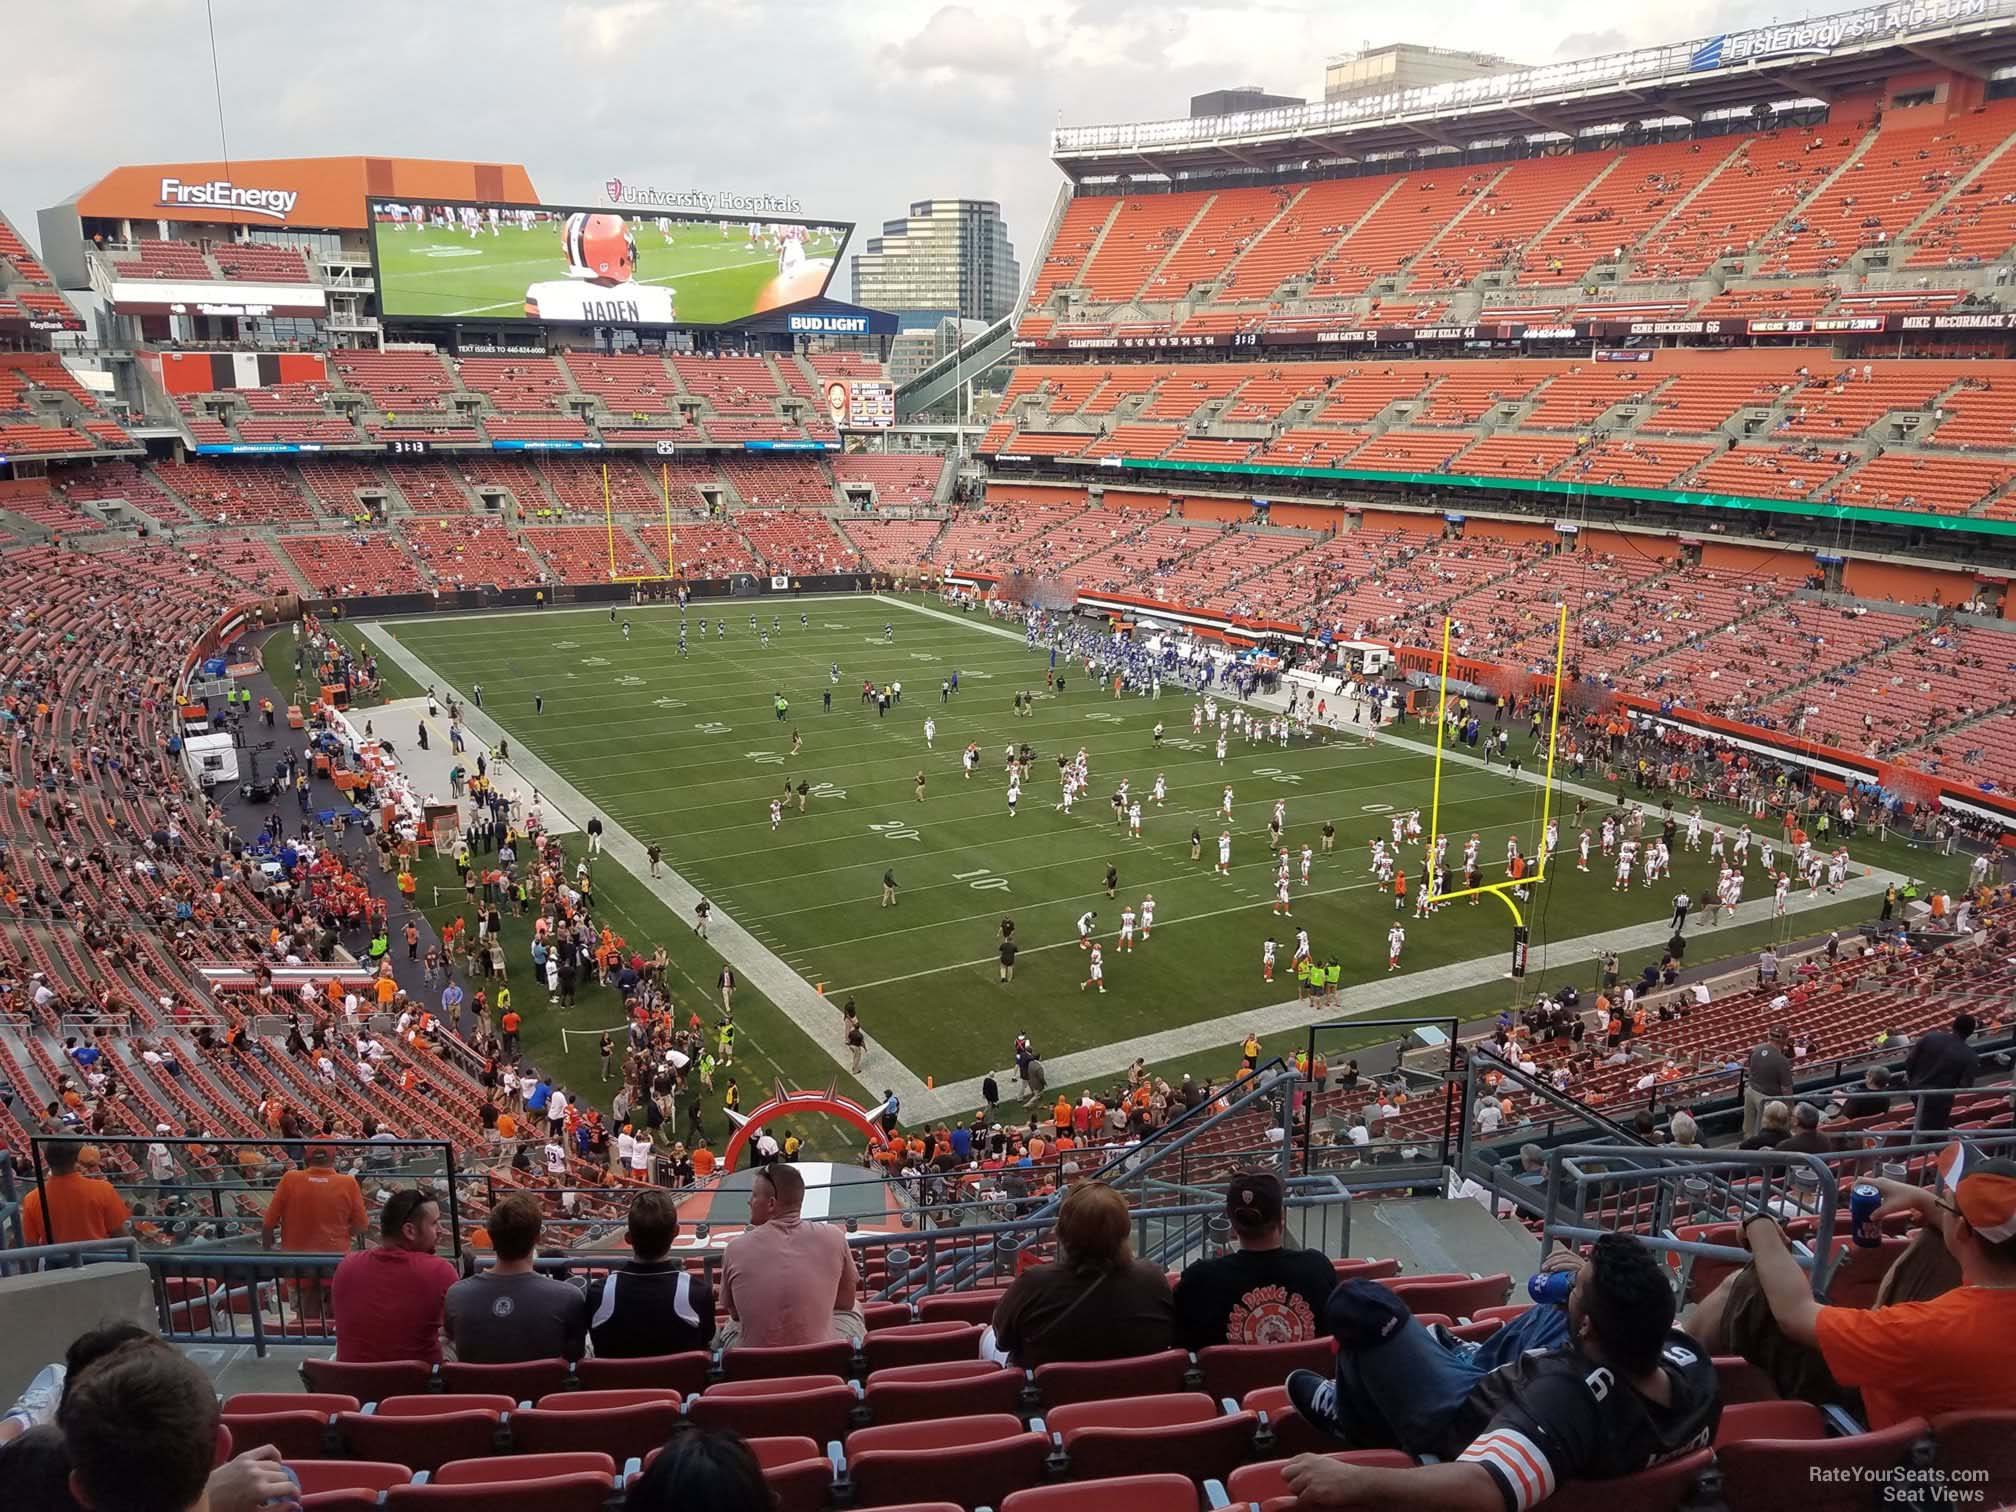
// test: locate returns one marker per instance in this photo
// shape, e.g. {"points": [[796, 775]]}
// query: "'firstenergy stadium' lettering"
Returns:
{"points": [[222, 194]]}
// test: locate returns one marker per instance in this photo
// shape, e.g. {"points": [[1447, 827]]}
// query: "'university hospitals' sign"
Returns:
{"points": [[699, 201], [1823, 34]]}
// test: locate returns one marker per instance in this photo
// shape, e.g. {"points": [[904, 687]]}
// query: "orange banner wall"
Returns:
{"points": [[326, 193]]}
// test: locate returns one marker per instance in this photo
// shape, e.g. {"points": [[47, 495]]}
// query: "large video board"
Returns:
{"points": [[564, 265]]}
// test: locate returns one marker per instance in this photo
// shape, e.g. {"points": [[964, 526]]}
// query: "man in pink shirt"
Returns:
{"points": [[783, 1280]]}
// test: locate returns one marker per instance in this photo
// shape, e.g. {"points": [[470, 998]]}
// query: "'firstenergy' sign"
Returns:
{"points": [[222, 194]]}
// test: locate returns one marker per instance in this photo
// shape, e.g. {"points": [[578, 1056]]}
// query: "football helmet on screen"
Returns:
{"points": [[599, 247]]}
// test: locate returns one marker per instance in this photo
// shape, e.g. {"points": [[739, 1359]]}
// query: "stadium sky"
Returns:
{"points": [[855, 108]]}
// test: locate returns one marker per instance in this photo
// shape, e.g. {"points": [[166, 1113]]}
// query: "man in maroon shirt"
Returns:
{"points": [[388, 1299]]}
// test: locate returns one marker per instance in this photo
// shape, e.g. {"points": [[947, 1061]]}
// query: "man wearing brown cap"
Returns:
{"points": [[1907, 1358], [1263, 1292]]}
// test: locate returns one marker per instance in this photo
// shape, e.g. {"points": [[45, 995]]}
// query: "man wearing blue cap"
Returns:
{"points": [[1595, 1389]]}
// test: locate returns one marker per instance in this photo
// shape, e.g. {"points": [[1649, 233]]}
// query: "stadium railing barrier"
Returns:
{"points": [[217, 1201], [1659, 1194]]}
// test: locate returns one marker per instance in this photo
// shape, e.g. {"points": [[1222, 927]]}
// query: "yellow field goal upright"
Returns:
{"points": [[609, 523], [1501, 890]]}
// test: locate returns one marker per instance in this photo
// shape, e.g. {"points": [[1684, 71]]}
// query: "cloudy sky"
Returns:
{"points": [[856, 108]]}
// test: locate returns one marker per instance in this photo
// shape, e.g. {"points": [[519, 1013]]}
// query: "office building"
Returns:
{"points": [[1405, 65], [948, 256]]}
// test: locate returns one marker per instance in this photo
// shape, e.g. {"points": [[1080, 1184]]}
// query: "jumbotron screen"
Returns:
{"points": [[564, 265]]}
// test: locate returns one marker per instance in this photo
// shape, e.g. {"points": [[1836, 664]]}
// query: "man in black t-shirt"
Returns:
{"points": [[653, 1305], [1261, 1293], [1596, 1390]]}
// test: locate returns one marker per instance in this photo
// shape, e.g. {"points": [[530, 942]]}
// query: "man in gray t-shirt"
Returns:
{"points": [[1767, 1076], [510, 1312]]}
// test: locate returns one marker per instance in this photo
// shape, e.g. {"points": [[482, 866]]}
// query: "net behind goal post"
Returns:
{"points": [[568, 1036], [616, 574]]}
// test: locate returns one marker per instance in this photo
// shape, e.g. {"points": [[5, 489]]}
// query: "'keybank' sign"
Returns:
{"points": [[222, 194]]}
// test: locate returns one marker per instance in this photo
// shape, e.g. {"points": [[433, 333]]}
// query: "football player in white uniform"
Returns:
{"points": [[790, 249], [601, 284]]}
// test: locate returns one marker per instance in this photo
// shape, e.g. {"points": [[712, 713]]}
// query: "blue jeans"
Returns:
{"points": [[1403, 1393]]}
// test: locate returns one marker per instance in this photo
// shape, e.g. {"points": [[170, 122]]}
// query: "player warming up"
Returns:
{"points": [[1096, 965]]}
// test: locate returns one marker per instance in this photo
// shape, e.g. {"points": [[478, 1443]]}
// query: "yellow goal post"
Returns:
{"points": [[616, 575], [1501, 890]]}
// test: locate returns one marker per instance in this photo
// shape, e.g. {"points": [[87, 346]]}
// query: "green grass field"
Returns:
{"points": [[687, 752], [438, 273]]}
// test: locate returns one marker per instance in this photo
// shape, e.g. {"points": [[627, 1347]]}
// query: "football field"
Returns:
{"points": [[687, 752], [443, 273]]}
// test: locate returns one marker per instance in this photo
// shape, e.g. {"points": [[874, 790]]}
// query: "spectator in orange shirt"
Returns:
{"points": [[1907, 1357], [703, 1160], [387, 989], [316, 1209], [77, 1207]]}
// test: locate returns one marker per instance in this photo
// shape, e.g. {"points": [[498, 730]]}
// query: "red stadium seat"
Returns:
{"points": [[425, 1431], [821, 1407], [1474, 1333], [1183, 1432], [887, 1315], [297, 1435], [962, 1306], [1459, 1298], [1663, 1488], [972, 1460], [1770, 1420], [503, 1467], [1782, 1472], [1737, 1380], [621, 1424], [1263, 1483], [548, 1482], [524, 1381], [1979, 1442], [683, 1373], [1232, 1370], [962, 1388], [1134, 1493], [1858, 1272], [796, 1470], [1096, 1380], [1365, 1270], [326, 1402], [835, 1358], [340, 1485], [1292, 1433], [921, 1344], [369, 1382], [295, 1423]]}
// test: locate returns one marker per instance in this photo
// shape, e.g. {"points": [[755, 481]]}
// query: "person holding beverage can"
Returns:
{"points": [[1938, 1341]]}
